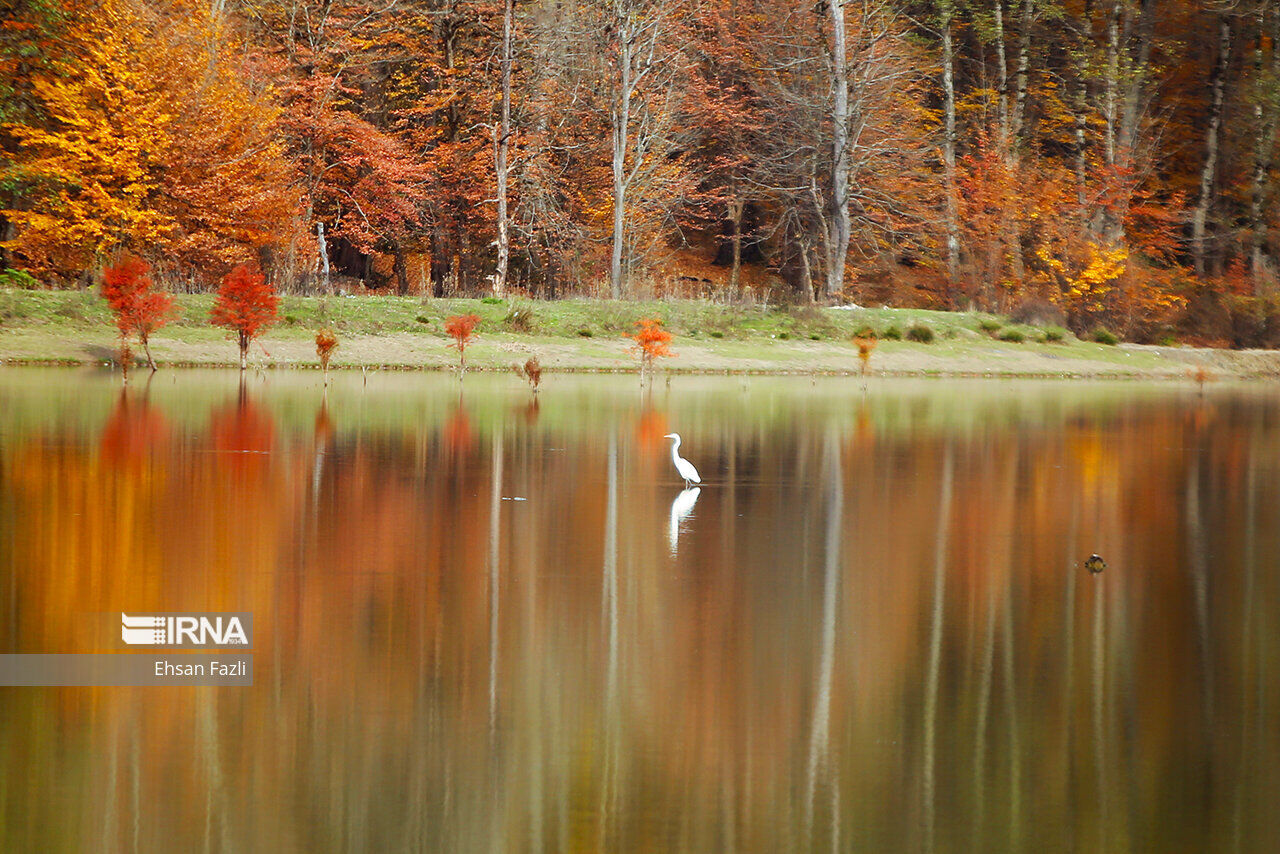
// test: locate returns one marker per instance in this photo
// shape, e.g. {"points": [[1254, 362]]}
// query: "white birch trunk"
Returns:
{"points": [[1208, 173], [503, 153], [838, 225]]}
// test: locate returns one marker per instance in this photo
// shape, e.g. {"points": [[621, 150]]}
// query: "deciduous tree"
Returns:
{"points": [[246, 305]]}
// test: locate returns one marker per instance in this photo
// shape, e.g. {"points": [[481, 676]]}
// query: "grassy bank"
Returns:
{"points": [[74, 327]]}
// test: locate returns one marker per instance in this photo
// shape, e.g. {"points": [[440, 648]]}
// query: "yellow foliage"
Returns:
{"points": [[1088, 288], [92, 161], [145, 140]]}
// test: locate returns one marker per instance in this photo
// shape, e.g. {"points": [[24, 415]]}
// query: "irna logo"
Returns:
{"points": [[186, 630]]}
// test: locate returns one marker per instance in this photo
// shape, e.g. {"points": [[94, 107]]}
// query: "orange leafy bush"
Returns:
{"points": [[326, 343], [652, 340], [865, 348], [461, 328]]}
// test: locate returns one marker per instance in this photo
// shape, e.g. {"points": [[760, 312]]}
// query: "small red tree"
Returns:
{"points": [[865, 345], [460, 327], [138, 310], [326, 343], [652, 340], [247, 305]]}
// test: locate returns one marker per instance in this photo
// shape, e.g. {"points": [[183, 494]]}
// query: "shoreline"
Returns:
{"points": [[1226, 365], [386, 333]]}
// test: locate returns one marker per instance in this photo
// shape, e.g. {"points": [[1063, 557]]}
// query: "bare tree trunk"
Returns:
{"points": [[1010, 238], [838, 225], [1081, 122], [324, 255], [949, 144], [401, 269], [1020, 79], [244, 352], [1123, 118], [735, 216], [621, 129], [504, 147], [1018, 111], [1264, 117], [806, 271], [1113, 80], [1002, 77], [1208, 172]]}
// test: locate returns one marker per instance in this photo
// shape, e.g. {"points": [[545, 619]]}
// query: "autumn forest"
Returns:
{"points": [[1112, 161]]}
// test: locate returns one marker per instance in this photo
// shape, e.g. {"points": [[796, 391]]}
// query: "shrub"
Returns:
{"points": [[291, 320], [865, 332], [893, 333], [651, 340], [326, 343], [920, 333], [814, 336], [1054, 335], [989, 325], [584, 332], [784, 335], [422, 318], [491, 300], [460, 327], [12, 278], [716, 333], [1105, 336], [519, 319], [1013, 336], [1037, 312], [865, 348]]}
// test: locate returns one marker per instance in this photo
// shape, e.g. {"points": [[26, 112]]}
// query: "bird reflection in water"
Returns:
{"points": [[681, 507]]}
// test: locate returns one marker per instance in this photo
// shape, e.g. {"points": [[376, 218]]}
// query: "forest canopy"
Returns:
{"points": [[1105, 162]]}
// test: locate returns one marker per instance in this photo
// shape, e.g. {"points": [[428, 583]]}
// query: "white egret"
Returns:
{"points": [[683, 466]]}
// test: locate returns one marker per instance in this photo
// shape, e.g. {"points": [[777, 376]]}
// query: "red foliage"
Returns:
{"points": [[460, 327], [246, 304], [652, 340], [138, 310]]}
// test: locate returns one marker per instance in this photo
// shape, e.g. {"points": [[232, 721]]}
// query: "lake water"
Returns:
{"points": [[486, 621]]}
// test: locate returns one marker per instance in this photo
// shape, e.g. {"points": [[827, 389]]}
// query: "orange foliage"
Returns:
{"points": [[246, 304], [326, 343], [651, 340], [460, 327], [865, 347]]}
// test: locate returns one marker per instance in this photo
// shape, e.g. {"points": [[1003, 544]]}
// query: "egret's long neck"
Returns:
{"points": [[675, 449]]}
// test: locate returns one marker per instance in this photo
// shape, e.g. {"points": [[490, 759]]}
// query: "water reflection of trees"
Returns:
{"points": [[873, 639]]}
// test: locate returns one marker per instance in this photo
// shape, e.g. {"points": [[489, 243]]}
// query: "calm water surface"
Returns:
{"points": [[488, 622]]}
